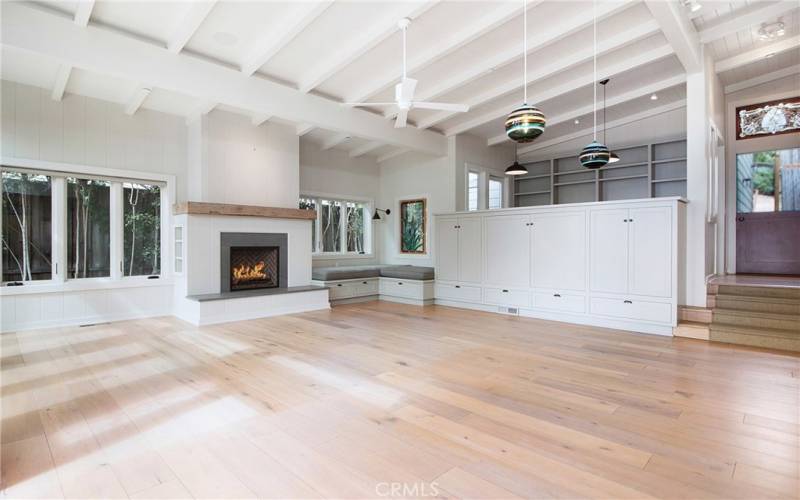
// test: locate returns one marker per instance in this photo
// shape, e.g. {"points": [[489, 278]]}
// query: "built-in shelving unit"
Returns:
{"points": [[646, 171]]}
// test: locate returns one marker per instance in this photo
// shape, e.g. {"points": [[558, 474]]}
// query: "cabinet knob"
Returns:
{"points": [[399, 282], [363, 282], [628, 302], [338, 284], [505, 291], [556, 295], [458, 286]]}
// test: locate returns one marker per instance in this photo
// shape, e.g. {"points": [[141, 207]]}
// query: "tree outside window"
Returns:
{"points": [[88, 228], [141, 229], [27, 229]]}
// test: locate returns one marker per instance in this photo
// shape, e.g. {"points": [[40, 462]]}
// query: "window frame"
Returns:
{"points": [[368, 208], [59, 172], [489, 192], [477, 173]]}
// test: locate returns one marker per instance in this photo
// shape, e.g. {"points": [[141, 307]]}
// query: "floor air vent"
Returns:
{"points": [[508, 310]]}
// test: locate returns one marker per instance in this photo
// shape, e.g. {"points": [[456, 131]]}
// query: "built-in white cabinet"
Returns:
{"points": [[631, 251], [459, 246], [610, 264]]}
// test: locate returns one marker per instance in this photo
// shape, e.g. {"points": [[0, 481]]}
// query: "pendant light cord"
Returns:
{"points": [[525, 51], [594, 82]]}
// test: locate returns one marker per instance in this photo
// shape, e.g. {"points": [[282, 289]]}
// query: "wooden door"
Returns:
{"points": [[650, 251], [507, 250], [470, 249], [608, 263], [447, 249], [768, 243], [558, 251]]}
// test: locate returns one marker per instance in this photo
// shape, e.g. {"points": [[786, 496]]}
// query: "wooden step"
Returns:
{"points": [[760, 291], [759, 337], [757, 319], [691, 330], [694, 314], [758, 304]]}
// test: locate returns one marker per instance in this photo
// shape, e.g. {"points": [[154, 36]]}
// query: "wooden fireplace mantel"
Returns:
{"points": [[201, 208]]}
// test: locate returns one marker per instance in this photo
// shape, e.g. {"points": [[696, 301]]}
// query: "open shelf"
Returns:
{"points": [[622, 178], [532, 192], [674, 179]]}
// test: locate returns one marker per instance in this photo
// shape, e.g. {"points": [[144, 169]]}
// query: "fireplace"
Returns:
{"points": [[250, 261]]}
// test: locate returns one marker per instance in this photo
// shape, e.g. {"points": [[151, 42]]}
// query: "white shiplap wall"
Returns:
{"points": [[85, 131]]}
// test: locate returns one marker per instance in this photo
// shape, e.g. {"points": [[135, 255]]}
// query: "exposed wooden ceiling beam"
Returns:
{"points": [[62, 78], [761, 79], [260, 119], [543, 35], [377, 32], [746, 18], [366, 148], [391, 154], [125, 57], [541, 71], [304, 13], [587, 132], [756, 54], [457, 38], [196, 13], [581, 80], [631, 95], [136, 99], [335, 141], [679, 32], [304, 128], [83, 12]]}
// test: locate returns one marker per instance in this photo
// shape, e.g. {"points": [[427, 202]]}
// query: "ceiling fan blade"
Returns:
{"points": [[402, 118], [444, 106], [404, 91], [363, 104]]}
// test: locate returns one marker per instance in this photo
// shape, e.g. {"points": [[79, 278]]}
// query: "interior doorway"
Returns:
{"points": [[768, 212]]}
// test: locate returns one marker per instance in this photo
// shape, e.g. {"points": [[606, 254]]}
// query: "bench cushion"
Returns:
{"points": [[345, 273], [408, 272]]}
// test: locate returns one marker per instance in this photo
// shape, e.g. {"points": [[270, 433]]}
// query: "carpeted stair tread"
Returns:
{"points": [[760, 291], [757, 319], [751, 330]]}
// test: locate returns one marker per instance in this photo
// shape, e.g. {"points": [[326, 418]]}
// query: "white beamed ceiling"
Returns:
{"points": [[460, 51]]}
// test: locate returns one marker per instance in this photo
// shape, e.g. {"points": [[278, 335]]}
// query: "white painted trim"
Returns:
{"points": [[62, 78], [761, 79], [756, 54], [679, 32], [196, 13], [83, 12]]}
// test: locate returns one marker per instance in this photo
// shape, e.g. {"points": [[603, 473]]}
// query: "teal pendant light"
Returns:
{"points": [[595, 154]]}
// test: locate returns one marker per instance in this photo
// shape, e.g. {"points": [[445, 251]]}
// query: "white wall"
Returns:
{"points": [[409, 176], [86, 131], [243, 164], [777, 89]]}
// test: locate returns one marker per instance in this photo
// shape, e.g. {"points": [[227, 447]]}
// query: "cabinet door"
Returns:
{"points": [[470, 249], [608, 263], [447, 248], [650, 251], [558, 251], [507, 251]]}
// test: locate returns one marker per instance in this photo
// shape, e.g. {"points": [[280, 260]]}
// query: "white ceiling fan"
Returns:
{"points": [[404, 92]]}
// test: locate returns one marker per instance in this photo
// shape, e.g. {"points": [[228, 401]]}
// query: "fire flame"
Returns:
{"points": [[249, 273]]}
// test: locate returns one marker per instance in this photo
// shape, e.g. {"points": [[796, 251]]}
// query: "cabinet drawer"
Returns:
{"points": [[366, 287], [657, 312], [558, 301], [460, 293], [341, 290], [401, 288], [506, 297]]}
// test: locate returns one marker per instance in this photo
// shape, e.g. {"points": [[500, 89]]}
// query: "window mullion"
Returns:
{"points": [[116, 230], [58, 207], [343, 227]]}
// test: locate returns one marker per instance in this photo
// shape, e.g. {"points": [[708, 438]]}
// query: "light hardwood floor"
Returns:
{"points": [[376, 398]]}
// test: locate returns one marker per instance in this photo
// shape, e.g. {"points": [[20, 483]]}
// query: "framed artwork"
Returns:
{"points": [[768, 118], [413, 216]]}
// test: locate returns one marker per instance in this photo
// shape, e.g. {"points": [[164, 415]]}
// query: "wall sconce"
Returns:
{"points": [[377, 216]]}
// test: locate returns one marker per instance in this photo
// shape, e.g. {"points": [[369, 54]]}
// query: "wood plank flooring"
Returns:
{"points": [[383, 400]]}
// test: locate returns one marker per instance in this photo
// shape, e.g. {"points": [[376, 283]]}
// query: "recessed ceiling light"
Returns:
{"points": [[653, 97], [771, 31], [225, 38], [577, 122]]}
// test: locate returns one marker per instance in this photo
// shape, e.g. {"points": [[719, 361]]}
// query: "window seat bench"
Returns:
{"points": [[406, 284]]}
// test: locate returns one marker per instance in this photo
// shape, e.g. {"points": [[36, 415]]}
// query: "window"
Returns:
{"points": [[472, 190], [768, 118], [768, 181], [62, 226], [412, 226], [495, 193], [88, 228], [141, 229], [341, 226], [27, 233]]}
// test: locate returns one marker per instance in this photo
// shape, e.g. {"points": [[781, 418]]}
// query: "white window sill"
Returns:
{"points": [[341, 256], [83, 284]]}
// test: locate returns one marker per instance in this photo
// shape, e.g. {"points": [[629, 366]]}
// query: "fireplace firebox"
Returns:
{"points": [[250, 261]]}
